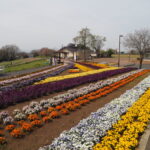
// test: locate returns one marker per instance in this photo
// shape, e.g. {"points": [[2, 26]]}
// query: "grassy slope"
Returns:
{"points": [[18, 61], [23, 64]]}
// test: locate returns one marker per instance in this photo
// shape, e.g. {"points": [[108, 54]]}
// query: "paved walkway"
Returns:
{"points": [[148, 144], [144, 143]]}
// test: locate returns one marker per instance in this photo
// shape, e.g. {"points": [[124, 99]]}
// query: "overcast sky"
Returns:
{"points": [[32, 24]]}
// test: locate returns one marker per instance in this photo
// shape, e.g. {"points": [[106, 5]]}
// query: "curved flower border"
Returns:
{"points": [[89, 130], [35, 91], [8, 81], [31, 81]]}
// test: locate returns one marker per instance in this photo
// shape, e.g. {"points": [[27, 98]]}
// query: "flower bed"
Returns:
{"points": [[27, 93], [90, 65], [89, 130], [126, 132], [82, 67], [77, 95], [74, 70], [31, 81], [34, 107], [101, 65], [3, 82], [52, 79], [62, 109]]}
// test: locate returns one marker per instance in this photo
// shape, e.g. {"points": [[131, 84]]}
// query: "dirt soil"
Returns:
{"points": [[123, 61], [46, 134]]}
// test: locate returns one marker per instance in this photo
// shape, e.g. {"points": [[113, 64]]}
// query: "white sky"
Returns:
{"points": [[33, 24]]}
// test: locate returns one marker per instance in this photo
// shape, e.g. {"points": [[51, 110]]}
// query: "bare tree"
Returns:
{"points": [[139, 41], [46, 52], [97, 43], [23, 55], [83, 40], [8, 52], [35, 53]]}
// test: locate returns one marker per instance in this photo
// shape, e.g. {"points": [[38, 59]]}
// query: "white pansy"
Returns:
{"points": [[89, 130]]}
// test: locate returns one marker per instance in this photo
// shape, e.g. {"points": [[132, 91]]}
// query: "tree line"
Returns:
{"points": [[138, 41], [12, 52]]}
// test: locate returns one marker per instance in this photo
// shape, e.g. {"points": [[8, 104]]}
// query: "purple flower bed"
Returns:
{"points": [[89, 65], [31, 81], [35, 91]]}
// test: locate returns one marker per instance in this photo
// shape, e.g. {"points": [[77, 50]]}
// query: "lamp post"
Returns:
{"points": [[119, 50]]}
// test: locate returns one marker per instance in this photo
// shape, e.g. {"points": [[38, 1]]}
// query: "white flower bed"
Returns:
{"points": [[89, 130], [35, 107], [71, 94], [30, 75]]}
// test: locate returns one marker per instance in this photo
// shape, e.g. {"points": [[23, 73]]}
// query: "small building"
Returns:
{"points": [[68, 51], [73, 52]]}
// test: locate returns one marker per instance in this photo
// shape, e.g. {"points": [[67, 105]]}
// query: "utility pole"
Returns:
{"points": [[119, 50]]}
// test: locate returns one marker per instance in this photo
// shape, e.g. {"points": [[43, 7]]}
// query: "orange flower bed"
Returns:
{"points": [[76, 100], [54, 114], [74, 70], [17, 133], [46, 119], [43, 113], [91, 98], [33, 117], [10, 127], [64, 108], [2, 140], [50, 109], [59, 107], [77, 105], [20, 122], [64, 111], [36, 123], [63, 105], [27, 127], [72, 107]]}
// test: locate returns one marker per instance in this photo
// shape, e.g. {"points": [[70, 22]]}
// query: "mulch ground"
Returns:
{"points": [[46, 134]]}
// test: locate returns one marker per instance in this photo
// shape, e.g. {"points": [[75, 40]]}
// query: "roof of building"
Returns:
{"points": [[71, 47]]}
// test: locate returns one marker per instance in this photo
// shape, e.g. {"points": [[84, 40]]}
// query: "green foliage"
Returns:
{"points": [[110, 52], [26, 65]]}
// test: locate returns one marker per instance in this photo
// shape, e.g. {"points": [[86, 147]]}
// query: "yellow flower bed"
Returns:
{"points": [[101, 65], [125, 133], [51, 79], [83, 68]]}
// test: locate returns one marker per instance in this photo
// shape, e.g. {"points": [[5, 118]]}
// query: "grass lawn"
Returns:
{"points": [[18, 61], [24, 64]]}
